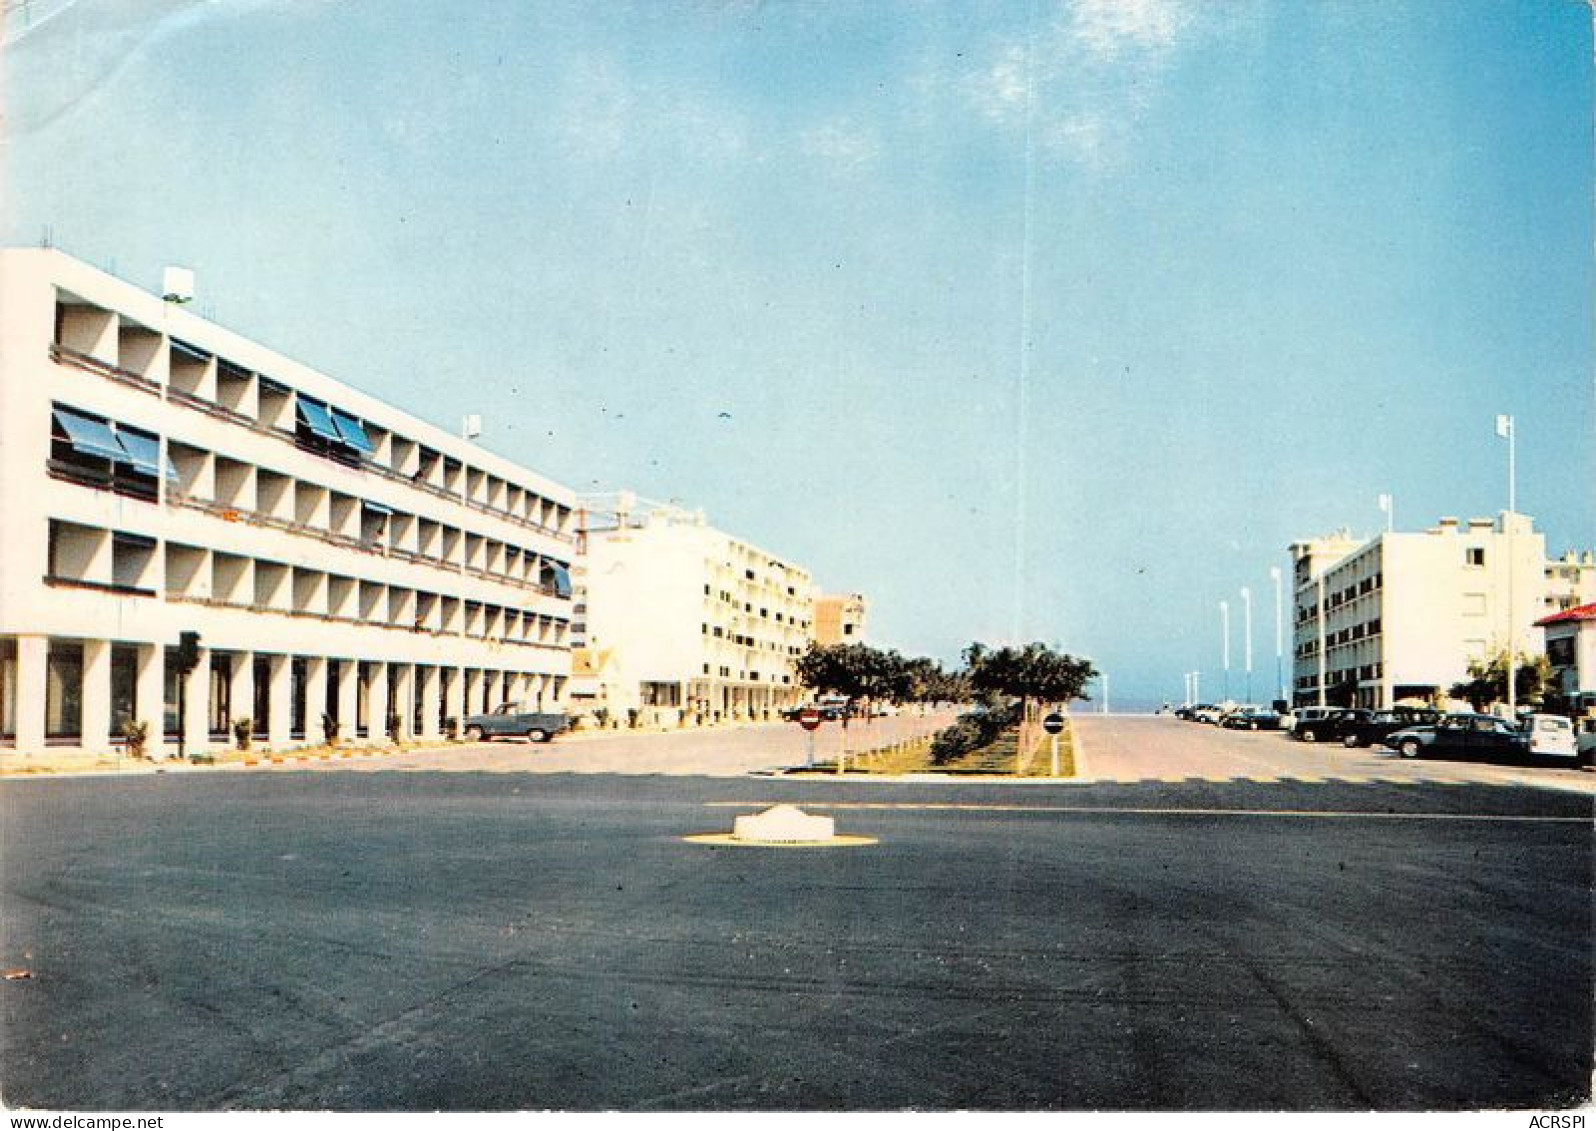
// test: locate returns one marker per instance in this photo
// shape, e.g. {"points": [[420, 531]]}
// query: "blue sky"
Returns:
{"points": [[1043, 320]]}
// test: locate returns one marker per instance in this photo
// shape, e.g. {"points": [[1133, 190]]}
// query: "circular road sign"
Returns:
{"points": [[1053, 723], [809, 718]]}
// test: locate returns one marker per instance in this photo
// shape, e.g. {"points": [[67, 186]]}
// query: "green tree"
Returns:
{"points": [[1487, 682], [1032, 674]]}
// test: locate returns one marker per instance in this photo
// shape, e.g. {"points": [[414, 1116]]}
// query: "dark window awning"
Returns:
{"points": [[145, 452], [317, 418], [270, 385], [193, 353], [351, 431], [559, 577], [91, 437]]}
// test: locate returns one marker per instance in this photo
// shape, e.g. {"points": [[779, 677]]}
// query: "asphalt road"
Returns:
{"points": [[466, 941]]}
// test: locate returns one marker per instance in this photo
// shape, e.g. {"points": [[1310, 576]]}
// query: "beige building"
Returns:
{"points": [[839, 618], [327, 555], [1401, 615], [695, 624]]}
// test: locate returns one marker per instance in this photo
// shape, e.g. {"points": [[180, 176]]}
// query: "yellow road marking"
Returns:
{"points": [[838, 841], [1110, 810]]}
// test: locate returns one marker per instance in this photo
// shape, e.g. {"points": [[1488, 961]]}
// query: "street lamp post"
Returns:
{"points": [[1507, 430], [1246, 606], [1280, 684], [1388, 505], [1224, 632], [1105, 692]]}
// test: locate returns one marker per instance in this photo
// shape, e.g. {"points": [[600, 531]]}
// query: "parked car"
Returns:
{"points": [[1550, 736], [1306, 716], [1585, 741], [511, 721], [1208, 714], [1189, 711], [1329, 725], [1460, 736], [1373, 730], [1251, 718]]}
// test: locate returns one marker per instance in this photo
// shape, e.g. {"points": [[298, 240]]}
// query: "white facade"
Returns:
{"points": [[1401, 615], [337, 557], [695, 621]]}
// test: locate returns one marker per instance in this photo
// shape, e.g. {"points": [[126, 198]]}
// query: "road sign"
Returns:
{"points": [[1053, 723], [809, 718]]}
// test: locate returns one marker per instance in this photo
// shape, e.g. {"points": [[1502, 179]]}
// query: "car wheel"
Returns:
{"points": [[1411, 748], [1310, 736], [535, 735], [1349, 741], [473, 734]]}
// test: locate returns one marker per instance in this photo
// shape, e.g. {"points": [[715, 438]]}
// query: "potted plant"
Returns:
{"points": [[243, 732], [136, 733]]}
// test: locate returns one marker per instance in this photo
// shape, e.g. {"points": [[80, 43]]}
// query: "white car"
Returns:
{"points": [[1550, 736]]}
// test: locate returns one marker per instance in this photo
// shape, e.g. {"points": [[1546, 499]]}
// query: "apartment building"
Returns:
{"points": [[691, 623], [324, 553], [1400, 616], [839, 618]]}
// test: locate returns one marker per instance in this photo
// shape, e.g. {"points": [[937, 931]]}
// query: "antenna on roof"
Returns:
{"points": [[471, 426]]}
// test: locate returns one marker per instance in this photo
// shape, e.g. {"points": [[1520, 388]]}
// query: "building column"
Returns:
{"points": [[241, 692], [348, 698], [315, 697], [196, 699], [377, 703], [33, 654], [96, 692], [149, 696], [430, 679], [280, 703], [404, 690], [471, 696]]}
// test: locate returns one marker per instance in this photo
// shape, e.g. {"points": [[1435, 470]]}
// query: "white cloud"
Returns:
{"points": [[841, 143], [1106, 28], [1083, 80]]}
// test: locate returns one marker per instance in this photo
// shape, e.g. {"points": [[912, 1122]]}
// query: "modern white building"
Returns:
{"points": [[690, 622], [1400, 616], [162, 476]]}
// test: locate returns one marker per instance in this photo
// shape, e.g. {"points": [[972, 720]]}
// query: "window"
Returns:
{"points": [[1474, 556]]}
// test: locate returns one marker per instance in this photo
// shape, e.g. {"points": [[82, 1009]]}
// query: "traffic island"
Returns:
{"points": [[782, 826]]}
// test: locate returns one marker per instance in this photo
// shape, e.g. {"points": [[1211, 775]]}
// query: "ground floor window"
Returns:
{"points": [[220, 712], [263, 695], [124, 687], [329, 706], [363, 702], [63, 690], [8, 689], [656, 694], [298, 673]]}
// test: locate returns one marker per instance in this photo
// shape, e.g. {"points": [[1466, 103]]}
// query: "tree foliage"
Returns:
{"points": [[1487, 682], [1032, 673]]}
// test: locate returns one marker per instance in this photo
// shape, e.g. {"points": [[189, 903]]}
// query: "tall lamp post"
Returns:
{"points": [[1246, 642], [1280, 685], [1506, 429], [1224, 632], [1388, 505]]}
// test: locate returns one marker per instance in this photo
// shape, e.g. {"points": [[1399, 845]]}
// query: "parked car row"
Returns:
{"points": [[1415, 731]]}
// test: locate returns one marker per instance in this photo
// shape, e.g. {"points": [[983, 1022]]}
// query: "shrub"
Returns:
{"points": [[243, 732], [972, 731]]}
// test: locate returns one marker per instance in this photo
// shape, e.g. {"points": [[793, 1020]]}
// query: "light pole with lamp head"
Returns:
{"points": [[1246, 620], [1507, 430], [1280, 687], [1224, 632]]}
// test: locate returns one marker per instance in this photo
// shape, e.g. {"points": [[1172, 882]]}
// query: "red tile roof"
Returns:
{"points": [[1579, 612]]}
